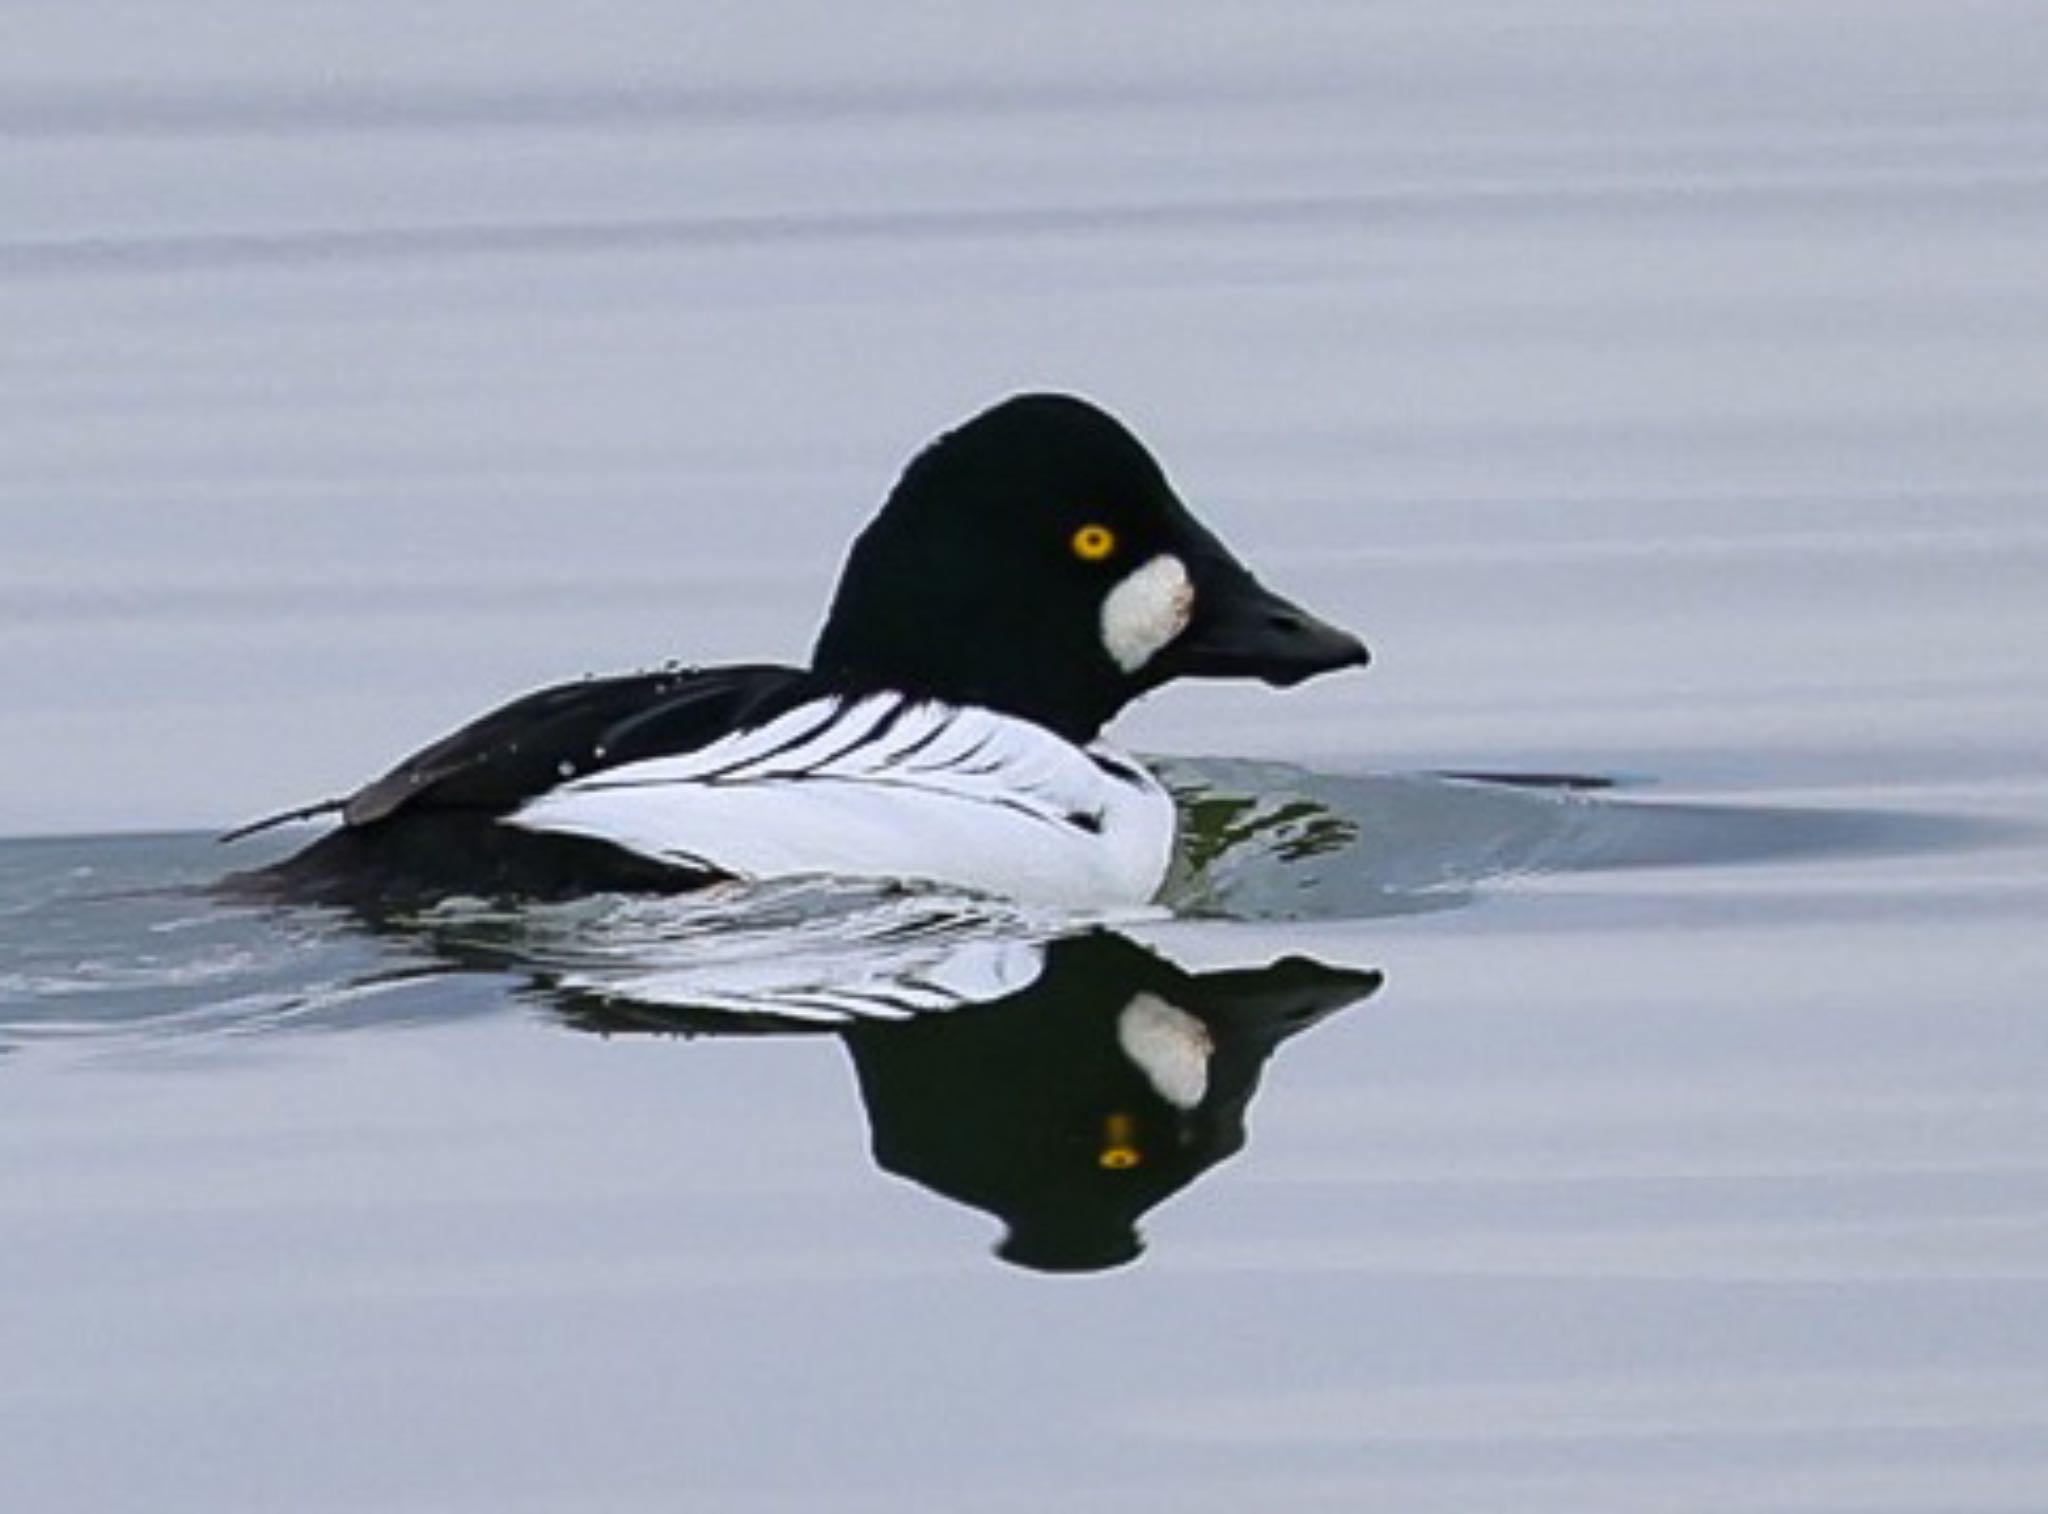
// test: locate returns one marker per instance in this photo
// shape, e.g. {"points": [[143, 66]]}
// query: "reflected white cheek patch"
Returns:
{"points": [[1152, 605], [1170, 1046]]}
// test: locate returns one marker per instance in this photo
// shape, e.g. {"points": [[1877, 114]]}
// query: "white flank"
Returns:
{"points": [[1169, 1046], [887, 787], [1152, 605]]}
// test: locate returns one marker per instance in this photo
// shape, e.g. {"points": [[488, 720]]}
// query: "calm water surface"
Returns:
{"points": [[1610, 1063]]}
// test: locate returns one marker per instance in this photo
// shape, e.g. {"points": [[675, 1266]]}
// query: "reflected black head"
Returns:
{"points": [[987, 578], [1036, 1109]]}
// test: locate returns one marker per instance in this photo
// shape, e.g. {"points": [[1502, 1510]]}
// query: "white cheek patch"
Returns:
{"points": [[1170, 1046], [1152, 605]]}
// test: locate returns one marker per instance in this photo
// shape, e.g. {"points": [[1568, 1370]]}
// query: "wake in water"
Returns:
{"points": [[126, 936]]}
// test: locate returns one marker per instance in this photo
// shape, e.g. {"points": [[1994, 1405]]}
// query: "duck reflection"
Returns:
{"points": [[1068, 1103]]}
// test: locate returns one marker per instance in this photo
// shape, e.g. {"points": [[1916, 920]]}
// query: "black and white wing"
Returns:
{"points": [[524, 748], [885, 785], [664, 780]]}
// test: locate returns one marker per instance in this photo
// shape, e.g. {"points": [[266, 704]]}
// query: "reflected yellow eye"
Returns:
{"points": [[1119, 1151], [1092, 543]]}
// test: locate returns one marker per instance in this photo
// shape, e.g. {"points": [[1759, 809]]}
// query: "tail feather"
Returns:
{"points": [[284, 817]]}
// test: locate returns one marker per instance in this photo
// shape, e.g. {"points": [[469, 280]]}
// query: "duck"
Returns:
{"points": [[1031, 573]]}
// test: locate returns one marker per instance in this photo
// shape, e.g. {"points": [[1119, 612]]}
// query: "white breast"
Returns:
{"points": [[891, 787]]}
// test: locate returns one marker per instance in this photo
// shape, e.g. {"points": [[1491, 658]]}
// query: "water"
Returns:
{"points": [[1658, 393]]}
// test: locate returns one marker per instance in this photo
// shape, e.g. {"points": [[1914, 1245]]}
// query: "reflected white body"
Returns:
{"points": [[886, 786]]}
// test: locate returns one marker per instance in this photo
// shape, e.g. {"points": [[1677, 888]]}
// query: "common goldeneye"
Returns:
{"points": [[1031, 573]]}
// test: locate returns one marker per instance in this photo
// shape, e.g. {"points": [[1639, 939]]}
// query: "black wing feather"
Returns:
{"points": [[521, 749]]}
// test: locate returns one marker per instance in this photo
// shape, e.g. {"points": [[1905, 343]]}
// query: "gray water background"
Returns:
{"points": [[1658, 389]]}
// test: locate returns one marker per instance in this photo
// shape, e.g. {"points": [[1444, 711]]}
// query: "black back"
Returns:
{"points": [[522, 749], [447, 798]]}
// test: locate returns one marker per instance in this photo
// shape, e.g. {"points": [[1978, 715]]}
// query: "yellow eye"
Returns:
{"points": [[1092, 543]]}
